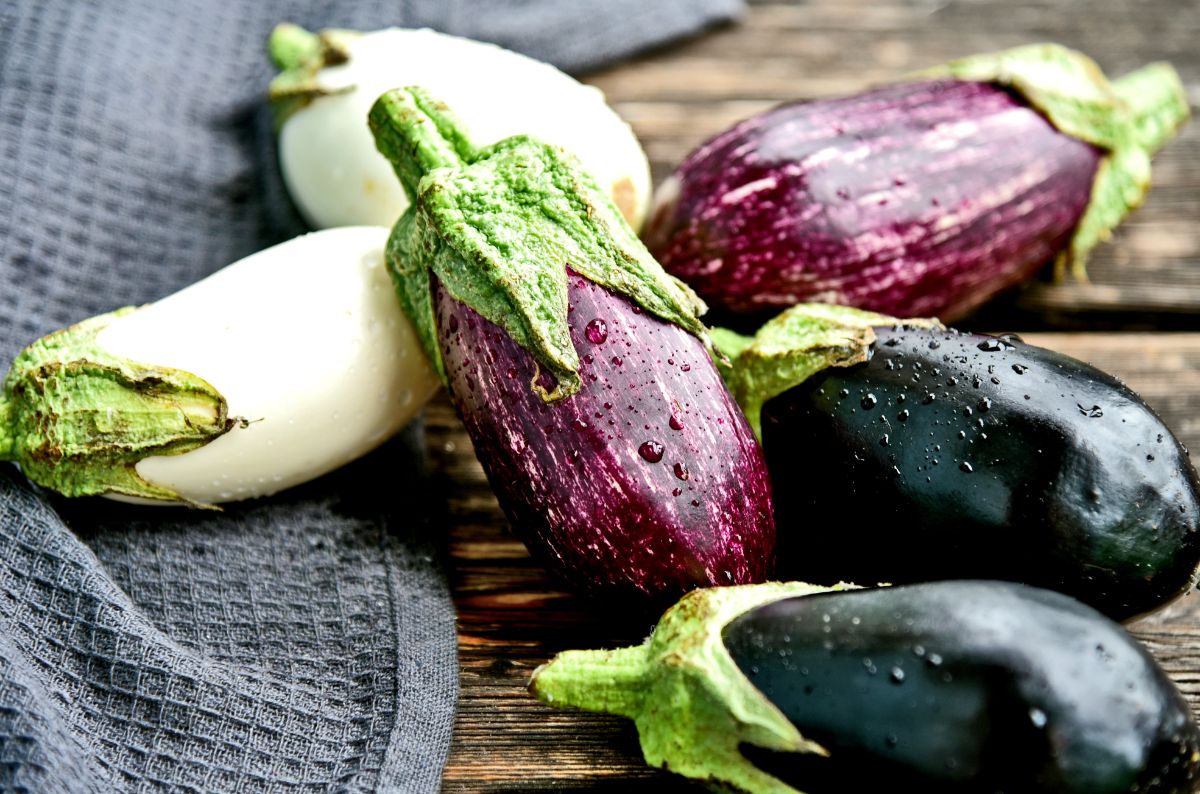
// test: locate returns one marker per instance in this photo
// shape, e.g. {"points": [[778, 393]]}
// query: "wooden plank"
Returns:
{"points": [[512, 617]]}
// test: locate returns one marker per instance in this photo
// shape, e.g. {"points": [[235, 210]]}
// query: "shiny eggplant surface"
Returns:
{"points": [[951, 455], [965, 687]]}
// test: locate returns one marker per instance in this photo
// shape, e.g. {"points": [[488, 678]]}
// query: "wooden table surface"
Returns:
{"points": [[1137, 318]]}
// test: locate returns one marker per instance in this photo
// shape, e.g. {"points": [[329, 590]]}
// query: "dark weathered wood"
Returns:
{"points": [[513, 618]]}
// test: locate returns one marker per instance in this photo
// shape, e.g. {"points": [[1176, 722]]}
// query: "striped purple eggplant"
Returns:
{"points": [[648, 479], [577, 365], [924, 198]]}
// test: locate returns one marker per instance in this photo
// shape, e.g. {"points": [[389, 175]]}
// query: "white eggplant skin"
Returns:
{"points": [[337, 178], [308, 344]]}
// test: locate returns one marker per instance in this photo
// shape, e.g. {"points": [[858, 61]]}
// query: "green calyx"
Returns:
{"points": [[1130, 119], [300, 55], [78, 419], [792, 347], [500, 226], [692, 705]]}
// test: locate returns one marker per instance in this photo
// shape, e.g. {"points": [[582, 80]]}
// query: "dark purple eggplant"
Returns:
{"points": [[919, 199], [577, 365], [947, 455], [963, 687]]}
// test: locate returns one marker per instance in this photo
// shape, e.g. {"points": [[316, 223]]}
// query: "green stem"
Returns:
{"points": [[1158, 101], [417, 134], [291, 46], [8, 441], [612, 681]]}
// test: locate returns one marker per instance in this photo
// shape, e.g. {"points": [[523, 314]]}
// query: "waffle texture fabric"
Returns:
{"points": [[299, 643]]}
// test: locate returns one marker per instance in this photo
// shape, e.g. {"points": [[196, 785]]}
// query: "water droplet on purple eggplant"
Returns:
{"points": [[596, 331], [675, 422], [1095, 412], [651, 451], [681, 471], [966, 467], [868, 402]]}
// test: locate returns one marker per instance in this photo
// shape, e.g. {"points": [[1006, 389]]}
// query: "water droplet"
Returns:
{"points": [[596, 331], [680, 470], [685, 367], [844, 393], [897, 675], [1020, 369], [1010, 338], [927, 399], [934, 344], [991, 345], [984, 405], [579, 424], [869, 402], [883, 442], [651, 451], [1094, 412], [934, 660], [966, 467], [676, 491], [1037, 717], [967, 411], [675, 422], [903, 415], [617, 361], [1149, 458]]}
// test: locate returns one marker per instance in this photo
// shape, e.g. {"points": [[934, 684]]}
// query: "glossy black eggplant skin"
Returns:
{"points": [[966, 687], [951, 455]]}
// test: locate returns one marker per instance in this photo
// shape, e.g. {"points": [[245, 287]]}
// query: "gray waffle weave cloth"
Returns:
{"points": [[299, 643]]}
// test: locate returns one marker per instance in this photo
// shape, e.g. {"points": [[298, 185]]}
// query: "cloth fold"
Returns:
{"points": [[299, 643]]}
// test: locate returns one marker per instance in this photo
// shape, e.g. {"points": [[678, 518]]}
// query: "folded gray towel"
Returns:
{"points": [[304, 642]]}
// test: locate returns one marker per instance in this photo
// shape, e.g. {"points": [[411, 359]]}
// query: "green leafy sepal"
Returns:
{"points": [[793, 346], [500, 226], [692, 705], [78, 419], [1130, 119], [300, 55]]}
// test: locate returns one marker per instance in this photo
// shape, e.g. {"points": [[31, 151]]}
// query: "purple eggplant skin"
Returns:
{"points": [[921, 199], [950, 455], [646, 483], [965, 688]]}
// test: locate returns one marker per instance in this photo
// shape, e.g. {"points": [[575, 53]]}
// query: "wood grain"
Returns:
{"points": [[1146, 281]]}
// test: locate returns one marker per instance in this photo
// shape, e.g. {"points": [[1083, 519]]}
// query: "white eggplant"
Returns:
{"points": [[329, 82], [272, 371]]}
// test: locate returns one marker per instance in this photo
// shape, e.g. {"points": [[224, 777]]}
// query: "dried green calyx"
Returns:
{"points": [[1130, 119], [300, 55], [500, 226], [78, 419], [794, 346], [693, 706]]}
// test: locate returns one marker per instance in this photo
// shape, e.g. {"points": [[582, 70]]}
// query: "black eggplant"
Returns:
{"points": [[948, 455], [953, 687]]}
